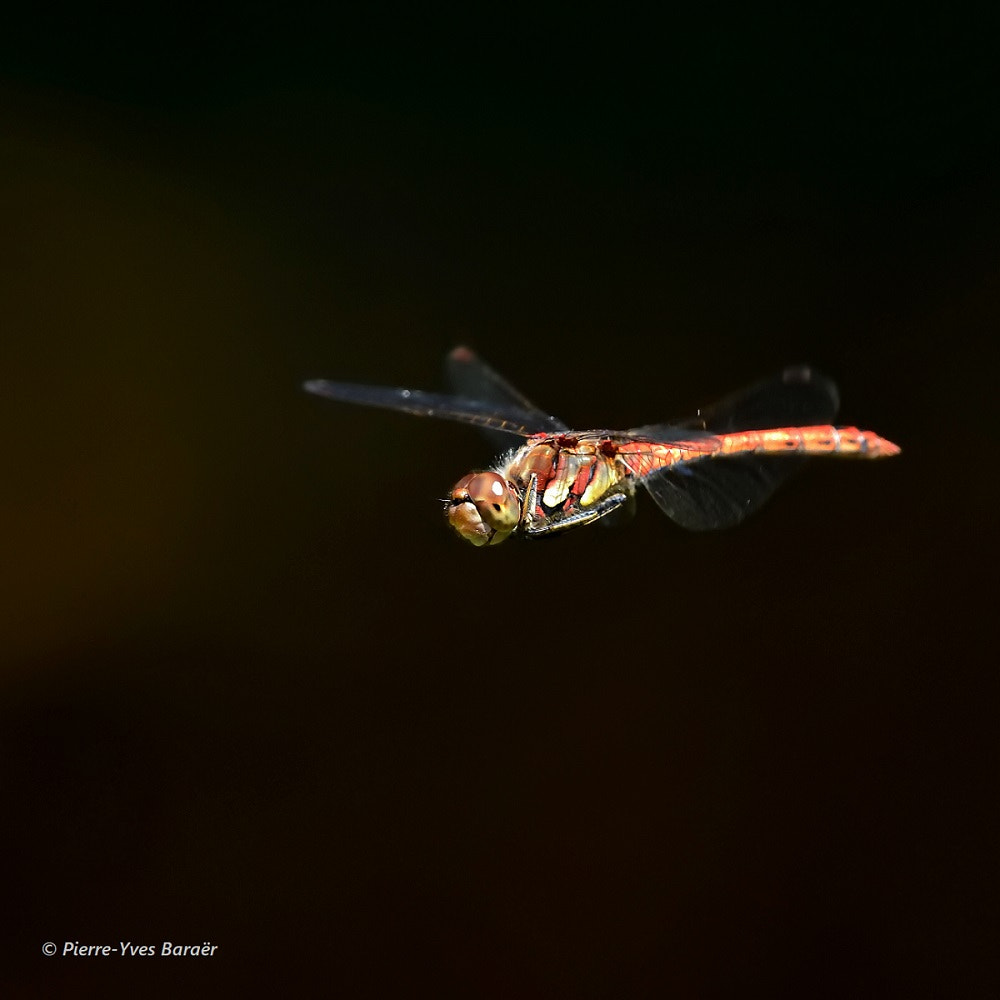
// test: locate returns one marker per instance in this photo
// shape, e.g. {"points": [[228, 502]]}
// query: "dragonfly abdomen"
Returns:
{"points": [[820, 440], [643, 458]]}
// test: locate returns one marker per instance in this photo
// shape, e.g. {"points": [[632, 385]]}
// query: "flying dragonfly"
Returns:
{"points": [[706, 473]]}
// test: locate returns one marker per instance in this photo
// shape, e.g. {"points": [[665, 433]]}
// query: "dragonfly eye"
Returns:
{"points": [[496, 501], [483, 508]]}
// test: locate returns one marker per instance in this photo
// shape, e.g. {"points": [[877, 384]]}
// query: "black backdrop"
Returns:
{"points": [[254, 694]]}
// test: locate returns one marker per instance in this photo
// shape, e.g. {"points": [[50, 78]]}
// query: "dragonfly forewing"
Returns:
{"points": [[510, 419]]}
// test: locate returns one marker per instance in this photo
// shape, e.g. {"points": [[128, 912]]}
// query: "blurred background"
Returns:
{"points": [[253, 692]]}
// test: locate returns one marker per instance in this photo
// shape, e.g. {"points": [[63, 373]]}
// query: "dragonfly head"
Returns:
{"points": [[484, 508]]}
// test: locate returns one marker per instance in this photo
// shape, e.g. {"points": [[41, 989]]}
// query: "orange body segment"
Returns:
{"points": [[642, 457]]}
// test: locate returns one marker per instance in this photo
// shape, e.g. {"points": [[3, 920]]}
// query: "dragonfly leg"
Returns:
{"points": [[582, 515], [529, 523], [530, 500]]}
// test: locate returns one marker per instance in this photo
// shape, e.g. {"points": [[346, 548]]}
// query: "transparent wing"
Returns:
{"points": [[798, 397], [484, 400], [489, 416], [711, 493], [472, 378]]}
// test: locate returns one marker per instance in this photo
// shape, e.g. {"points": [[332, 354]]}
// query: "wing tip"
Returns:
{"points": [[799, 375], [461, 354]]}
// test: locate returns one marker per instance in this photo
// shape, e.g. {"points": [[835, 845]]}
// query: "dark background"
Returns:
{"points": [[254, 693]]}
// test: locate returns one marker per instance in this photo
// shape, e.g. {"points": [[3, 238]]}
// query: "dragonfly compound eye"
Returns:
{"points": [[483, 508], [496, 502]]}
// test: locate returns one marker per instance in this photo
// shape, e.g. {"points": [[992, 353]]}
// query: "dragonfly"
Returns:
{"points": [[704, 473]]}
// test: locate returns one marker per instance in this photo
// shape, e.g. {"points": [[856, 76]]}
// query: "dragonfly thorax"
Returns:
{"points": [[484, 508]]}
